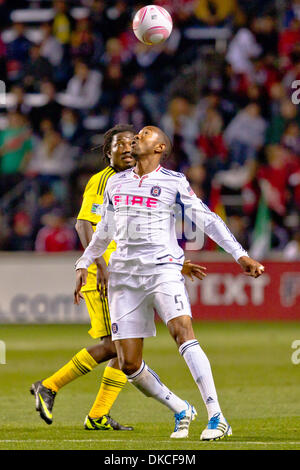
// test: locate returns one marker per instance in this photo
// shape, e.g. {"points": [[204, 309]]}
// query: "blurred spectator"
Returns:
{"points": [[17, 52], [291, 137], [180, 125], [38, 68], [180, 10], [288, 112], [242, 48], [211, 143], [56, 236], [287, 40], [50, 110], [51, 48], [293, 72], [47, 202], [276, 94], [71, 128], [274, 178], [115, 53], [3, 54], [19, 97], [292, 13], [118, 17], [84, 88], [82, 40], [217, 12], [112, 85], [264, 74], [20, 239], [266, 34], [15, 150], [245, 134], [131, 112], [52, 157], [238, 226], [99, 19], [62, 22], [291, 251]]}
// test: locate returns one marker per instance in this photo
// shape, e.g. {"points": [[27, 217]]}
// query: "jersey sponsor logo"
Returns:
{"points": [[95, 208], [114, 328], [121, 199], [155, 191]]}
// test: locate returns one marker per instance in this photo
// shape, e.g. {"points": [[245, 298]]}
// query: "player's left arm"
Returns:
{"points": [[213, 226]]}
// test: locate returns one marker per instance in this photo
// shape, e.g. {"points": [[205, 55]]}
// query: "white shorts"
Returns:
{"points": [[132, 300]]}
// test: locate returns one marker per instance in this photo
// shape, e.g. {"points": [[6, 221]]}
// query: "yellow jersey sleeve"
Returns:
{"points": [[93, 196], [90, 210]]}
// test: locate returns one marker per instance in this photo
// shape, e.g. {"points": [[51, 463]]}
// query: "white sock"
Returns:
{"points": [[200, 369], [148, 382]]}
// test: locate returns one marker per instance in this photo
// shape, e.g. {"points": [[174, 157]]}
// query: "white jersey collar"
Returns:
{"points": [[134, 175]]}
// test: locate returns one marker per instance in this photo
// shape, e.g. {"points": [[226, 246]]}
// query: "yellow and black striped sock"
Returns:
{"points": [[79, 365], [113, 381]]}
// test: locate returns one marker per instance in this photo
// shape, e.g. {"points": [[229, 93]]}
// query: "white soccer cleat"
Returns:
{"points": [[216, 429], [183, 421]]}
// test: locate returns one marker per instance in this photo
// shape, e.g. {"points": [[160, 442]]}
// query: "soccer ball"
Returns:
{"points": [[152, 24]]}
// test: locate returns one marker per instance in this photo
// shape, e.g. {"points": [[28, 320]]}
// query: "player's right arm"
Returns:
{"points": [[85, 231], [100, 240], [101, 237]]}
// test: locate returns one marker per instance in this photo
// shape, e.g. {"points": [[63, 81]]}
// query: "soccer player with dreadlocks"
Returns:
{"points": [[117, 151]]}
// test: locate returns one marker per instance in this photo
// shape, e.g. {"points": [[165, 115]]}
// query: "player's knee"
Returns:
{"points": [[181, 329], [129, 366]]}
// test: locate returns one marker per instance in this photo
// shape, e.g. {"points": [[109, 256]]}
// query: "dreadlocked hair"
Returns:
{"points": [[108, 136]]}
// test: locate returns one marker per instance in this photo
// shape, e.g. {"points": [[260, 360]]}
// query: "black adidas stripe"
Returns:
{"points": [[113, 381], [112, 384], [79, 366]]}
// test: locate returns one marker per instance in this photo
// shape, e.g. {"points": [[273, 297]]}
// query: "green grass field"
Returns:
{"points": [[257, 383]]}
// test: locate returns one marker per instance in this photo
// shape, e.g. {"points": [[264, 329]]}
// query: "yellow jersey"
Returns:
{"points": [[90, 208]]}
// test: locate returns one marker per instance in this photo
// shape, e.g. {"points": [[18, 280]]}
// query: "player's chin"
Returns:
{"points": [[127, 165]]}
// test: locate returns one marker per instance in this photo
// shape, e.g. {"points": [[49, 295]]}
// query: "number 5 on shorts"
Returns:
{"points": [[177, 301]]}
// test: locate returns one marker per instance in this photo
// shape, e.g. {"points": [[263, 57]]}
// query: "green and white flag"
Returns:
{"points": [[261, 242]]}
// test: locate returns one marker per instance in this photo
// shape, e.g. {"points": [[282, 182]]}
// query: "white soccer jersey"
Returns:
{"points": [[139, 214]]}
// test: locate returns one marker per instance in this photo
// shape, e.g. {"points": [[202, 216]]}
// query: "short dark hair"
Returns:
{"points": [[168, 149], [108, 136], [165, 140]]}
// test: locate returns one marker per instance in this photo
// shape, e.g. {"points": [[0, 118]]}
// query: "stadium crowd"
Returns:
{"points": [[222, 87]]}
